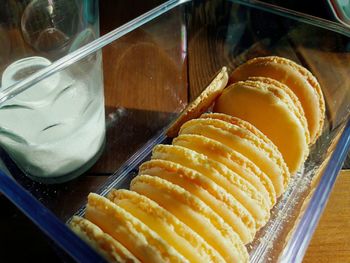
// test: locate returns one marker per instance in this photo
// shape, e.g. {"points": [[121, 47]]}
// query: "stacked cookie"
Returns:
{"points": [[280, 98], [202, 198]]}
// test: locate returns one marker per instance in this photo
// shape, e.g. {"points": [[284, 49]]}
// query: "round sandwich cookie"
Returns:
{"points": [[240, 188], [108, 247], [247, 126], [138, 238], [173, 231], [294, 102], [237, 186], [239, 165], [297, 78], [264, 143], [272, 111], [242, 141], [194, 213], [221, 202]]}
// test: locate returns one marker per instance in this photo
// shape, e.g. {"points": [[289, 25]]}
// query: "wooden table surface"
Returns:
{"points": [[331, 241], [133, 53]]}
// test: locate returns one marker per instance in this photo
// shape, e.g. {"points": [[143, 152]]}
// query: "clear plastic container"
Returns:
{"points": [[153, 67]]}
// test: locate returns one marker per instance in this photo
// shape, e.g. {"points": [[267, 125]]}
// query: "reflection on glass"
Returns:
{"points": [[49, 25]]}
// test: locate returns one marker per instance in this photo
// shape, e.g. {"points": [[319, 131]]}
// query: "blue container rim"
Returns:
{"points": [[47, 221]]}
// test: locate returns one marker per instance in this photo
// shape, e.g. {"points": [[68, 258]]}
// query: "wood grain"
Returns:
{"points": [[143, 77], [331, 241]]}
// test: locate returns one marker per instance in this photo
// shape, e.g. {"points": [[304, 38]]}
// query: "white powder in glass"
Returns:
{"points": [[56, 126]]}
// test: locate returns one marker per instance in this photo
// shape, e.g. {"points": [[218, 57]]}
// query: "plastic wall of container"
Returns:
{"points": [[180, 45]]}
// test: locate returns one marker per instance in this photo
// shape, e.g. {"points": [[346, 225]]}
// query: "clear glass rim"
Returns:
{"points": [[338, 13]]}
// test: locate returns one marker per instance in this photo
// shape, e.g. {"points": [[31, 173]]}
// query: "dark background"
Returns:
{"points": [[20, 239]]}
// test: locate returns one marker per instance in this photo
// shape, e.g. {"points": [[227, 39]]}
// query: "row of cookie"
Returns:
{"points": [[205, 196], [208, 183]]}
